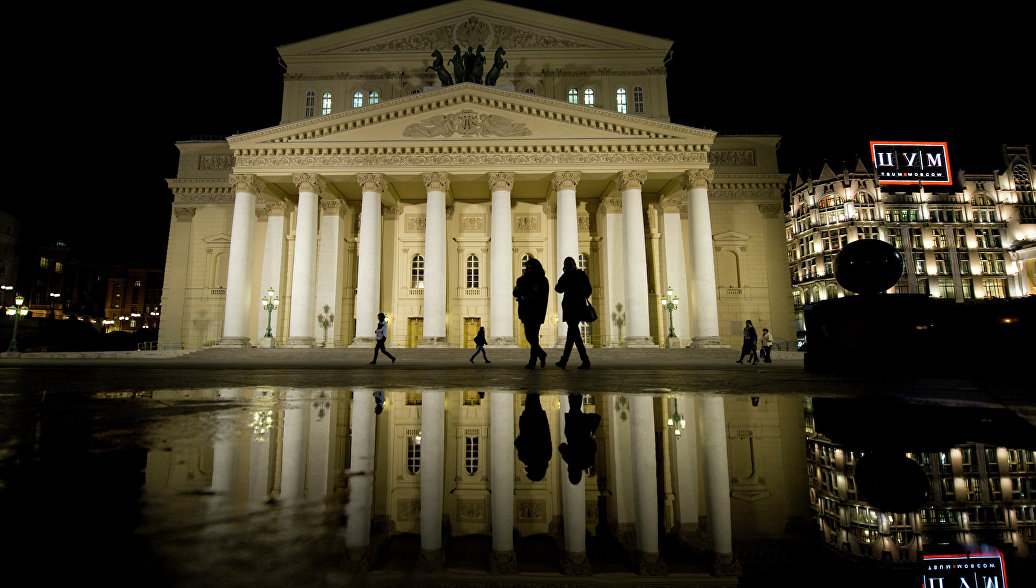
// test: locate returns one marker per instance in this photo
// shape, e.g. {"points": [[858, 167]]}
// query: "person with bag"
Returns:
{"points": [[381, 334], [748, 345], [531, 291], [574, 284], [480, 345], [766, 344]]}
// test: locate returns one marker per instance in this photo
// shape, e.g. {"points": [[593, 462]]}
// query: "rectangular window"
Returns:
{"points": [[942, 264], [966, 289], [939, 238], [995, 288], [946, 288], [896, 238], [961, 236], [992, 263], [964, 264], [44, 263], [471, 455], [920, 267], [413, 454], [922, 286], [916, 241]]}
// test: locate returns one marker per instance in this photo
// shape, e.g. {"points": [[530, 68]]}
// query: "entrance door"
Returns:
{"points": [[414, 330], [519, 334], [471, 327]]}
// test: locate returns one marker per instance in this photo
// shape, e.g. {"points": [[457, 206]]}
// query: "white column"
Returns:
{"points": [[645, 486], [436, 186], [273, 264], [638, 326], [614, 271], [261, 455], [239, 282], [567, 229], [501, 483], [704, 310], [293, 450], [685, 449], [361, 480], [501, 280], [573, 508], [304, 265], [433, 417], [330, 260], [368, 259], [717, 481], [675, 275]]}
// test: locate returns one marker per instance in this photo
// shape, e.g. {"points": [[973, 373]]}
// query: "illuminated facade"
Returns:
{"points": [[382, 191], [979, 242]]}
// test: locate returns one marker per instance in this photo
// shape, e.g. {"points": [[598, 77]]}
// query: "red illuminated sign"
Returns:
{"points": [[911, 163]]}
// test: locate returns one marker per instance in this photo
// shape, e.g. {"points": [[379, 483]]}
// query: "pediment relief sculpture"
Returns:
{"points": [[473, 31], [467, 123]]}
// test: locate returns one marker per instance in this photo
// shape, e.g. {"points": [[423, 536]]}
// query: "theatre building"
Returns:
{"points": [[384, 190]]}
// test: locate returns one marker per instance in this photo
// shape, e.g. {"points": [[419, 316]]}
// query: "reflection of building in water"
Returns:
{"points": [[981, 494], [443, 464]]}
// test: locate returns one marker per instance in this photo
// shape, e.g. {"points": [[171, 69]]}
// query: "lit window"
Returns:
{"points": [[588, 97], [620, 100], [44, 263], [472, 271], [995, 288], [525, 260], [325, 104], [939, 238], [58, 267], [417, 272], [584, 262], [311, 102], [136, 283], [471, 455], [638, 100], [916, 241], [357, 99], [373, 98], [964, 263], [946, 288], [573, 95], [413, 455], [942, 264]]}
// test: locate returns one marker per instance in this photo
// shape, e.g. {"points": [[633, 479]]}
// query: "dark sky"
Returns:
{"points": [[108, 98]]}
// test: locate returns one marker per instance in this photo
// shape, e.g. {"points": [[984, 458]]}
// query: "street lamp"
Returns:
{"points": [[676, 422], [5, 288], [270, 303], [54, 298], [670, 303], [17, 311]]}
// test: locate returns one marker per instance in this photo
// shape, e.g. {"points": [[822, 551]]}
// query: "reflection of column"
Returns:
{"points": [[293, 450], [320, 458], [330, 259], [368, 260], [304, 265], [704, 310], [273, 263], [361, 482], [433, 415], [638, 326], [685, 450], [717, 479], [622, 479], [239, 264], [567, 229], [675, 276], [436, 186], [645, 485], [501, 303], [261, 454], [501, 445], [224, 456], [573, 509]]}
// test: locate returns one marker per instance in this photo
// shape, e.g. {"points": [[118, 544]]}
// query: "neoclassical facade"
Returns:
{"points": [[383, 191]]}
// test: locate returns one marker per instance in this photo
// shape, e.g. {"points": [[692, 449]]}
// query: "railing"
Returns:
{"points": [[733, 291], [416, 292], [472, 291], [147, 346], [217, 292]]}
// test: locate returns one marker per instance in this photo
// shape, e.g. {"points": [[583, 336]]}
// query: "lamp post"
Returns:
{"points": [[270, 303], [53, 299], [17, 311], [676, 422], [4, 289], [670, 303]]}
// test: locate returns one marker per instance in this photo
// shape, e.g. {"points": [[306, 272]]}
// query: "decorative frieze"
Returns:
{"points": [[583, 223], [565, 180], [467, 123], [771, 209], [472, 32], [732, 158], [526, 224], [246, 183], [549, 156], [408, 509], [215, 162], [307, 182], [501, 181], [473, 224], [532, 511], [414, 223], [368, 182], [471, 510], [631, 180], [436, 181], [697, 178], [217, 198], [184, 214]]}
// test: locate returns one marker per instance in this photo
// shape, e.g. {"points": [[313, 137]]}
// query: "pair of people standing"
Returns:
{"points": [[531, 290], [749, 343]]}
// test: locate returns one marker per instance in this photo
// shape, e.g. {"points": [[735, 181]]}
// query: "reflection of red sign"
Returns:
{"points": [[977, 570], [911, 163]]}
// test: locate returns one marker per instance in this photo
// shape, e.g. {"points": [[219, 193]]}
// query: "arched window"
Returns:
{"points": [[573, 95], [864, 198], [219, 270], [832, 291], [525, 260], [471, 455], [638, 100], [620, 100], [530, 90], [472, 271], [311, 103], [417, 91], [588, 97], [982, 200], [357, 99], [583, 262], [325, 104], [373, 97], [417, 272], [413, 454]]}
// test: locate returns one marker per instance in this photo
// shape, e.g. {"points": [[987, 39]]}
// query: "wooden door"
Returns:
{"points": [[471, 327], [414, 330]]}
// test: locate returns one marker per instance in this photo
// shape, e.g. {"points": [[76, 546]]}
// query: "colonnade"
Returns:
{"points": [[307, 283]]}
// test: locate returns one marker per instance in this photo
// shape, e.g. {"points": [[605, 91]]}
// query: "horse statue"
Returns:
{"points": [[498, 65], [437, 67], [475, 72], [458, 65]]}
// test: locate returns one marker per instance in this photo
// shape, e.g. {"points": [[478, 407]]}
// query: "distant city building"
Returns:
{"points": [[133, 300], [10, 257], [975, 241], [63, 282]]}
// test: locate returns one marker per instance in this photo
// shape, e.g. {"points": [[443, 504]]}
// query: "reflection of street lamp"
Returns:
{"points": [[676, 422], [17, 311], [670, 303], [270, 303]]}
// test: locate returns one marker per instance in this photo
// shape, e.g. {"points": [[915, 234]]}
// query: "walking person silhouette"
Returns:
{"points": [[748, 345], [531, 291], [480, 345], [381, 334], [574, 284]]}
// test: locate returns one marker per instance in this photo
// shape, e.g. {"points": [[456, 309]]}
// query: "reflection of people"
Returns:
{"points": [[381, 334], [766, 344], [748, 344], [580, 449], [480, 345], [379, 401], [574, 284], [533, 441], [531, 291]]}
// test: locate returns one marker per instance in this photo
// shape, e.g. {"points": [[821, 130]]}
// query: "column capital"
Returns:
{"points": [[770, 209], [372, 182], [333, 206], [307, 182], [436, 181], [611, 204], [246, 183], [449, 212], [631, 180], [550, 210], [277, 208], [501, 181], [184, 214], [697, 178], [673, 204], [565, 180], [262, 213]]}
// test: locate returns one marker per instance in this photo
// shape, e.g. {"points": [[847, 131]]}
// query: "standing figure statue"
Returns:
{"points": [[469, 64], [498, 65], [475, 71], [457, 60], [437, 67]]}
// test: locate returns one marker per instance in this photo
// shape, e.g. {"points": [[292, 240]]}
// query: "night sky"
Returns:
{"points": [[113, 95]]}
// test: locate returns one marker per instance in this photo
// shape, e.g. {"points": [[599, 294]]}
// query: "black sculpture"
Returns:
{"points": [[458, 64], [868, 266], [468, 67], [437, 67], [498, 65]]}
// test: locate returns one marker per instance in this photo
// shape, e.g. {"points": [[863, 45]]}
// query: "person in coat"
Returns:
{"points": [[533, 441], [381, 334], [531, 290], [748, 344], [574, 284], [766, 344], [480, 345]]}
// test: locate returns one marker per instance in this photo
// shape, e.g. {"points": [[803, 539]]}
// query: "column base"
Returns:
{"points": [[267, 343], [626, 534], [575, 564], [707, 342], [691, 534], [434, 342], [358, 559], [235, 342], [723, 564], [362, 343], [502, 342], [430, 560], [651, 564], [674, 342], [10, 355], [639, 342], [300, 342], [503, 562]]}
